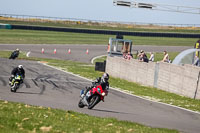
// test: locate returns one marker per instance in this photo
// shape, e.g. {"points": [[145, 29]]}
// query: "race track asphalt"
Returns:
{"points": [[78, 52], [49, 87]]}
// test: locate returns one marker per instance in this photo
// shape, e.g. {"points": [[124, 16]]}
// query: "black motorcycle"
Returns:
{"points": [[14, 55]]}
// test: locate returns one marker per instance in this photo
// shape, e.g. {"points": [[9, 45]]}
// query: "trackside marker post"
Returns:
{"points": [[42, 50], [69, 51], [87, 51]]}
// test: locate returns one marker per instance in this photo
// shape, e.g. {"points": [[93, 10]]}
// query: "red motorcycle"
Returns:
{"points": [[92, 97]]}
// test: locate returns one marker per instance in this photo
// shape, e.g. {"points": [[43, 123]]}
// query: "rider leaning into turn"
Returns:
{"points": [[103, 81], [14, 54], [17, 71]]}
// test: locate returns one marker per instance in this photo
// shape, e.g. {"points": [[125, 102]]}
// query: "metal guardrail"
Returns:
{"points": [[27, 17], [106, 32]]}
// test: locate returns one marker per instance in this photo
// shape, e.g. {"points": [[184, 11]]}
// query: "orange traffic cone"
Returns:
{"points": [[54, 51], [69, 51], [42, 50], [87, 51]]}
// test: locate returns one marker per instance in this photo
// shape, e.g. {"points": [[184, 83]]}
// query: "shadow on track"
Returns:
{"points": [[110, 111], [28, 93], [3, 81]]}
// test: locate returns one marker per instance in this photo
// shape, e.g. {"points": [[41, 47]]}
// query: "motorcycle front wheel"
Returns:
{"points": [[95, 99], [80, 104], [14, 87]]}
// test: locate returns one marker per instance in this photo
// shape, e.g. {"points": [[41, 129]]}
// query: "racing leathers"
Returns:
{"points": [[14, 54], [99, 81], [17, 71]]}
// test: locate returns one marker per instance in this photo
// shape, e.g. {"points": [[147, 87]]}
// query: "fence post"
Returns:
{"points": [[195, 94], [155, 84]]}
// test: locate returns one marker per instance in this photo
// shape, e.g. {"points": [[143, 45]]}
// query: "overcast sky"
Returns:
{"points": [[101, 10]]}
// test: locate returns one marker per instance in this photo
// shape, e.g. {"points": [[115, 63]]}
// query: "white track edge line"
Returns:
{"points": [[28, 53], [92, 61]]}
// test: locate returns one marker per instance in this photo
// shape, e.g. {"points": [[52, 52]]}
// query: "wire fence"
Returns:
{"points": [[61, 19]]}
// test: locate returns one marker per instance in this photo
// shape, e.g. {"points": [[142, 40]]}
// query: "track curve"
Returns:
{"points": [[46, 86]]}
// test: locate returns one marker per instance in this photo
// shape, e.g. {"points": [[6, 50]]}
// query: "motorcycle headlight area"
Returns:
{"points": [[103, 94]]}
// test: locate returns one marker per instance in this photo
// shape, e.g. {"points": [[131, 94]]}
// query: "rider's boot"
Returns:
{"points": [[10, 81], [85, 100]]}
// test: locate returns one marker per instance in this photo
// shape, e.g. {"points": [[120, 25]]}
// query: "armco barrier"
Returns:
{"points": [[5, 26], [182, 80], [108, 32]]}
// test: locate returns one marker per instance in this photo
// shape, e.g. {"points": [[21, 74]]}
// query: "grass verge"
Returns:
{"points": [[22, 118], [88, 71], [52, 37]]}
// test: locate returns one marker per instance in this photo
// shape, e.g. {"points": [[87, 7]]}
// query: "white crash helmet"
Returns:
{"points": [[20, 67], [105, 77]]}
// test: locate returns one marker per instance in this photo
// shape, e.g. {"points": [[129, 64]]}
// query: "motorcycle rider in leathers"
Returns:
{"points": [[14, 54], [103, 81], [17, 71]]}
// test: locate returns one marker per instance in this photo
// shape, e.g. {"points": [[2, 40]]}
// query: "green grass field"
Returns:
{"points": [[51, 37], [23, 118]]}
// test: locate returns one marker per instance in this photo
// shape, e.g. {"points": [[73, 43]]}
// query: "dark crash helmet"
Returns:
{"points": [[105, 77]]}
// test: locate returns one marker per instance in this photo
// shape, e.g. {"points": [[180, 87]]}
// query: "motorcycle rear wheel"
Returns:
{"points": [[95, 99]]}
